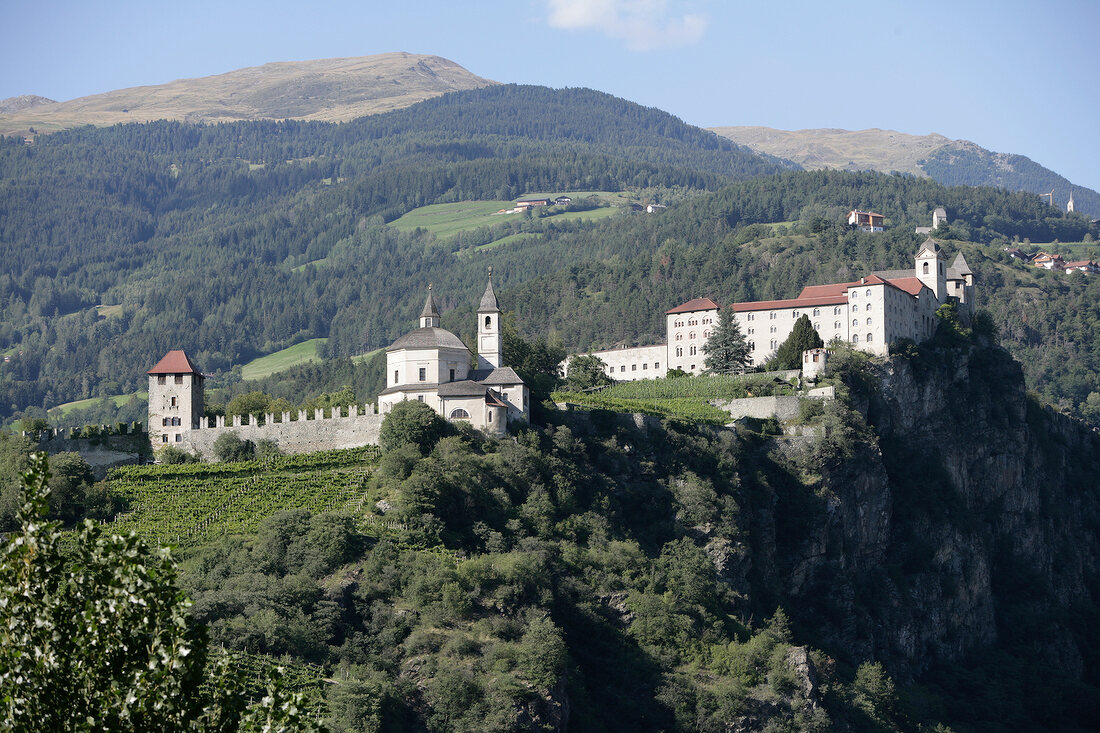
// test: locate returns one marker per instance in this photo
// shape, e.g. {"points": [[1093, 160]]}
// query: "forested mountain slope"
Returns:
{"points": [[323, 89], [196, 230], [951, 162], [239, 239]]}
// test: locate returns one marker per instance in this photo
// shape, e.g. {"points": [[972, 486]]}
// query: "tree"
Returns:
{"points": [[230, 447], [803, 336], [586, 372], [98, 636], [411, 422], [727, 351]]}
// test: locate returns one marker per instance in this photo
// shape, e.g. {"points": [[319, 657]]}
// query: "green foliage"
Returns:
{"points": [[230, 448], [101, 637], [411, 422], [803, 337], [173, 456], [585, 372], [727, 350]]}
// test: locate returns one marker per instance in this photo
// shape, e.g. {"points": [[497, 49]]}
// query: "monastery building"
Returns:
{"points": [[870, 313]]}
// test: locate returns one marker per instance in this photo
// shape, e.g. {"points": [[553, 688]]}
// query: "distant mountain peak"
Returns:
{"points": [[951, 162], [337, 89], [22, 102]]}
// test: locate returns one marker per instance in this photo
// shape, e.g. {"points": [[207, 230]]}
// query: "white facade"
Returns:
{"points": [[870, 314], [432, 365]]}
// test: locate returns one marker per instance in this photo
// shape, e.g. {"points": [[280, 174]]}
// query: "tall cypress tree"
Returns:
{"points": [[727, 350], [803, 336]]}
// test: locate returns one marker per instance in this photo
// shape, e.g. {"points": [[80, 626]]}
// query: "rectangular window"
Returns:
{"points": [[164, 439], [173, 402], [645, 366], [452, 375], [179, 379], [161, 379], [656, 365], [622, 368], [179, 437], [395, 376], [420, 398], [633, 367], [423, 374]]}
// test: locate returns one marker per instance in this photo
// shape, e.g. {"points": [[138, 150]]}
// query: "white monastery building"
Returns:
{"points": [[869, 313]]}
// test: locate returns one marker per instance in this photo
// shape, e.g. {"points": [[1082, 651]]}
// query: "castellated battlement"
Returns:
{"points": [[345, 428]]}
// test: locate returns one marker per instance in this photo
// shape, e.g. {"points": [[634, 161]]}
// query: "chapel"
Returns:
{"points": [[434, 366]]}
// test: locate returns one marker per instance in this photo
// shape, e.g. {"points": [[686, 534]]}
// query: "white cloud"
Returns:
{"points": [[645, 25]]}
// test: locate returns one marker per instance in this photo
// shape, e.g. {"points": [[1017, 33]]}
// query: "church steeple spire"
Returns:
{"points": [[429, 317], [490, 339]]}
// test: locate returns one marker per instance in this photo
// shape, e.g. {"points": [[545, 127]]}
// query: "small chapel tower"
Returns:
{"points": [[931, 269], [1069, 206], [429, 317], [490, 338]]}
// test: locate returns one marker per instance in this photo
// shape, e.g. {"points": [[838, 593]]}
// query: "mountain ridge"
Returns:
{"points": [[947, 161], [338, 89]]}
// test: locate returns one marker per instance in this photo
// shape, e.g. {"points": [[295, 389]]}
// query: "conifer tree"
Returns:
{"points": [[727, 350], [803, 336]]}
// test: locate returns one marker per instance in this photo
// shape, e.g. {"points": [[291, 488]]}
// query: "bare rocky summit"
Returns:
{"points": [[325, 89], [22, 102]]}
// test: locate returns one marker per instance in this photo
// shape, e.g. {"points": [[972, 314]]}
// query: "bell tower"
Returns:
{"points": [[490, 338], [931, 269]]}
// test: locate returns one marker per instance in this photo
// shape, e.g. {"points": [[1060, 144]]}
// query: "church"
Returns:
{"points": [[433, 366]]}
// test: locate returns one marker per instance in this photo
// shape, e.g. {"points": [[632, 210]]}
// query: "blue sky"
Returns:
{"points": [[1018, 77]]}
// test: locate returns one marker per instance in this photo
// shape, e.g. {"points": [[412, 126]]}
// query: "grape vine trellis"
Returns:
{"points": [[187, 505]]}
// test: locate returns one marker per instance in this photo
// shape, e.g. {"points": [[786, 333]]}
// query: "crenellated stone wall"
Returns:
{"points": [[308, 433]]}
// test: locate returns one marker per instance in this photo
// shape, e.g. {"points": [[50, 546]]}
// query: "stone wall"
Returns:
{"points": [[101, 453], [292, 436]]}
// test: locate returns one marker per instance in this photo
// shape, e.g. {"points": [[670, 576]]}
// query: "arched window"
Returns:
{"points": [[752, 346], [855, 293], [679, 351], [854, 308], [488, 321], [925, 268], [868, 293], [868, 338], [836, 311], [868, 321], [855, 321], [706, 334], [459, 414], [836, 324], [691, 335], [855, 338], [817, 311], [867, 307]]}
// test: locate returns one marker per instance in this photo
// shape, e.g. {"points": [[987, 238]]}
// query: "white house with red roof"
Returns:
{"points": [[869, 313]]}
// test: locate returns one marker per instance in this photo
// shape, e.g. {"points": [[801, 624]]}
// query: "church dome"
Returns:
{"points": [[428, 337]]}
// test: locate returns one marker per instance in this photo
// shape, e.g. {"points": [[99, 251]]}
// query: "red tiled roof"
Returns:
{"points": [[174, 362], [800, 302], [695, 304], [911, 285], [1080, 263]]}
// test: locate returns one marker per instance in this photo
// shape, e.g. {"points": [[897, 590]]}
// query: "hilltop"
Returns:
{"points": [[951, 162], [323, 89]]}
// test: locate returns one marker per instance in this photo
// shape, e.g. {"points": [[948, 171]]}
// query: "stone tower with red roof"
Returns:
{"points": [[176, 400]]}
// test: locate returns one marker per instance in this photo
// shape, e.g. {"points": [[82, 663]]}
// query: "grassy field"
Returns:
{"points": [[118, 399], [686, 398], [447, 220], [265, 366], [109, 311], [360, 358]]}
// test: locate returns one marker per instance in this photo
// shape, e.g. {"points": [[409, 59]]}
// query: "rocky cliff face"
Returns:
{"points": [[972, 518]]}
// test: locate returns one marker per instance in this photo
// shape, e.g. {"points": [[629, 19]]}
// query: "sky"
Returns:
{"points": [[1011, 76]]}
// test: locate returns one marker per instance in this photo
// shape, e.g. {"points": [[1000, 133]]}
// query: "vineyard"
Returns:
{"points": [[294, 676], [185, 505], [685, 398]]}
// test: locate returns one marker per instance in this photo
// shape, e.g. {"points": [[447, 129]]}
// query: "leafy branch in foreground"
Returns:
{"points": [[99, 636]]}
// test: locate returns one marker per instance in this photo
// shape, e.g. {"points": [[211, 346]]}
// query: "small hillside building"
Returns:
{"points": [[433, 366], [866, 221]]}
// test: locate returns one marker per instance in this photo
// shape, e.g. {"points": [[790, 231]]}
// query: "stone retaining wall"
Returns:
{"points": [[292, 436]]}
